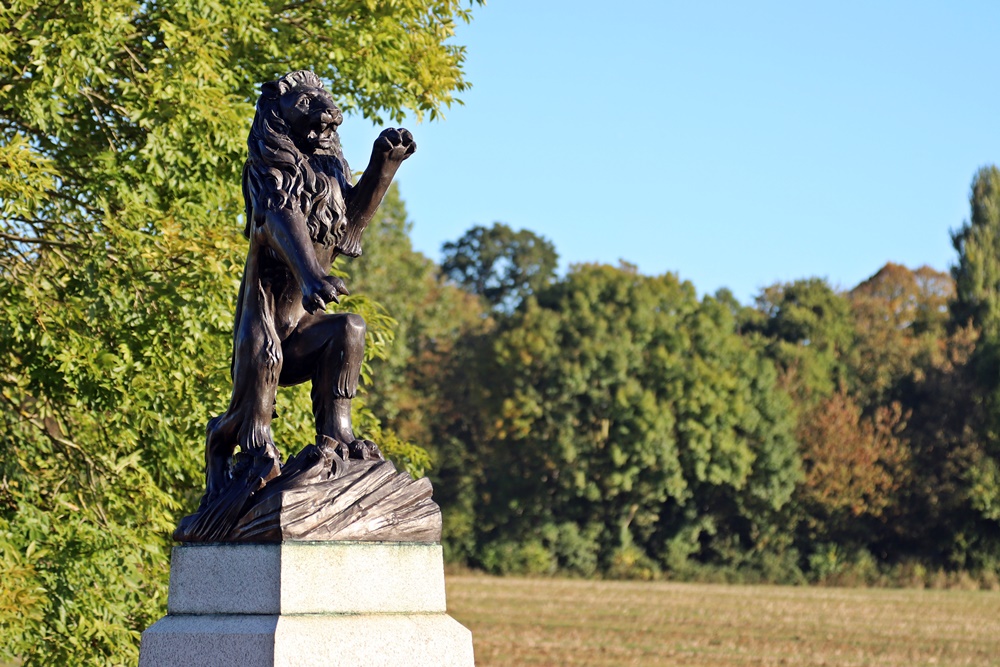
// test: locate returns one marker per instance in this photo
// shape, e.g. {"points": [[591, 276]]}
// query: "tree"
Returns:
{"points": [[430, 317], [809, 333], [853, 466], [957, 410], [120, 251], [901, 323], [977, 274], [948, 511], [977, 302], [619, 407], [499, 264], [977, 292]]}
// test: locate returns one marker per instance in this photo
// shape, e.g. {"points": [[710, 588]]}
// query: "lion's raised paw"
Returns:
{"points": [[395, 144]]}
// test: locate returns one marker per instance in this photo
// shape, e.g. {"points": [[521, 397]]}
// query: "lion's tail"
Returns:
{"points": [[248, 213], [247, 203], [236, 323]]}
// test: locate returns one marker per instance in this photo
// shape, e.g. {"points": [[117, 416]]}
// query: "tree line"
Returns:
{"points": [[608, 422]]}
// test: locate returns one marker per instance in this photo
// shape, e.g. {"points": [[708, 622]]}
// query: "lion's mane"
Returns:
{"points": [[277, 175]]}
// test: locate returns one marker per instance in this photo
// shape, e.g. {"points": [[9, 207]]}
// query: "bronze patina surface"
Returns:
{"points": [[301, 213]]}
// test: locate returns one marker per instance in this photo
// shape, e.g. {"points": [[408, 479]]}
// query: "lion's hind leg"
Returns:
{"points": [[329, 349]]}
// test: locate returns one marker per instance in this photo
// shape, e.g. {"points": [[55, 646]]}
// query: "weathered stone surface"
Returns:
{"points": [[414, 640], [356, 640], [301, 604], [307, 578], [209, 641]]}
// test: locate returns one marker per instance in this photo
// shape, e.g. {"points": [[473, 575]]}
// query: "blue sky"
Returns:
{"points": [[736, 144]]}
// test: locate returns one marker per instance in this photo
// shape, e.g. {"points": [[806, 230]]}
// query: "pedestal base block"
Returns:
{"points": [[299, 604], [354, 640]]}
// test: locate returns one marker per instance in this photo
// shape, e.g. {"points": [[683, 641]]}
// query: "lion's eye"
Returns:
{"points": [[302, 102]]}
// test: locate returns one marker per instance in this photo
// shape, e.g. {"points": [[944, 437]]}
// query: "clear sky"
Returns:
{"points": [[736, 144]]}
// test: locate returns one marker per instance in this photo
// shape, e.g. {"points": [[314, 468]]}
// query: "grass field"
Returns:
{"points": [[567, 622]]}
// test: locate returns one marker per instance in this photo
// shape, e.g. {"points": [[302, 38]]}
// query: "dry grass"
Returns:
{"points": [[570, 622]]}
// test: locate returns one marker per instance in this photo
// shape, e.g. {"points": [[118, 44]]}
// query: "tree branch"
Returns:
{"points": [[27, 239]]}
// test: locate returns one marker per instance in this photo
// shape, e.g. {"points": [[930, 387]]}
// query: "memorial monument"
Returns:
{"points": [[332, 557]]}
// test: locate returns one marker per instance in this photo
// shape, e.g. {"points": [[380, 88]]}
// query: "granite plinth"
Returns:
{"points": [[304, 604], [352, 640], [307, 578]]}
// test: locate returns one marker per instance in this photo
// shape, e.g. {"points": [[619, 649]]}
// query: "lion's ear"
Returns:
{"points": [[270, 89]]}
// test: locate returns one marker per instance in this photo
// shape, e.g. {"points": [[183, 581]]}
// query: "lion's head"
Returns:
{"points": [[308, 110], [295, 160]]}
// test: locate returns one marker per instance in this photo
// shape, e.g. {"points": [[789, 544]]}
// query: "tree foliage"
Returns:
{"points": [[120, 251], [977, 273], [499, 264], [809, 332], [853, 465], [901, 320], [429, 315], [977, 289], [620, 407]]}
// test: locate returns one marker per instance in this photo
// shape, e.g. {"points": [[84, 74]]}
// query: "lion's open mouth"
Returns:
{"points": [[322, 136]]}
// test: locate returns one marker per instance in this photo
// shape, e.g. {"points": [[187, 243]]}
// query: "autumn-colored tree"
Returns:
{"points": [[901, 323], [853, 464]]}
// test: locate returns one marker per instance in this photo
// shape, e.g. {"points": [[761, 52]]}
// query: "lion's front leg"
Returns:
{"points": [[392, 147], [286, 233]]}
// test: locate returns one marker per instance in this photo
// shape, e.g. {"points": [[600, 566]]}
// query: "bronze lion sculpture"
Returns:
{"points": [[301, 213]]}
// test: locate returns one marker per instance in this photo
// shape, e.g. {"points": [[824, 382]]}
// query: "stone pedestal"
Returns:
{"points": [[299, 604]]}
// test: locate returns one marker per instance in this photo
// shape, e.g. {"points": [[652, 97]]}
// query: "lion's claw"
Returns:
{"points": [[317, 296], [365, 450]]}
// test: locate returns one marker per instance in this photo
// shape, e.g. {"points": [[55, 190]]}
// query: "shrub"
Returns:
{"points": [[631, 562], [508, 557]]}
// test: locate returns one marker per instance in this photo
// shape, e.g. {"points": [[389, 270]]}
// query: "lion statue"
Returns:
{"points": [[301, 213]]}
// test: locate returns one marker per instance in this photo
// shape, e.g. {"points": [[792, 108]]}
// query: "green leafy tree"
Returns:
{"points": [[415, 390], [809, 333], [977, 274], [977, 302], [123, 134], [956, 490], [619, 404], [499, 264], [977, 289]]}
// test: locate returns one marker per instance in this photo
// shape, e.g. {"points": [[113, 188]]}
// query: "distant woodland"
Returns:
{"points": [[608, 422]]}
